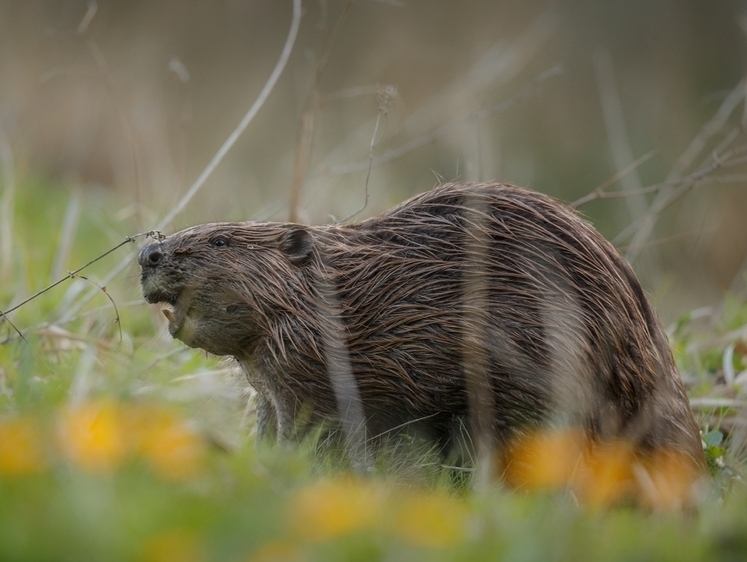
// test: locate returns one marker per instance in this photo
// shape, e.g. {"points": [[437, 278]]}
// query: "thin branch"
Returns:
{"points": [[674, 237], [222, 151], [671, 190], [386, 98], [47, 328], [307, 120], [244, 123], [332, 43], [117, 319], [370, 161], [713, 126], [75, 273], [600, 193], [643, 227], [446, 129]]}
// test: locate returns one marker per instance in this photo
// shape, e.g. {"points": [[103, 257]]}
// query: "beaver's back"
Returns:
{"points": [[508, 286]]}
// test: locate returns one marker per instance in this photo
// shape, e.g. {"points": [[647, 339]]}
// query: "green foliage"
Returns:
{"points": [[140, 449]]}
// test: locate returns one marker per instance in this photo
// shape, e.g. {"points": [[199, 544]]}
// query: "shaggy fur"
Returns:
{"points": [[485, 299]]}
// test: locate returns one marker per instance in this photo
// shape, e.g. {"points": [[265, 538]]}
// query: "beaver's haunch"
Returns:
{"points": [[483, 299]]}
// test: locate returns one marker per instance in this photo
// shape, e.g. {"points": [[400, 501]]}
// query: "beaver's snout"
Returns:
{"points": [[151, 255], [158, 285]]}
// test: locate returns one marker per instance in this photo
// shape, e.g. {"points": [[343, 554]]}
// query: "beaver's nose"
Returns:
{"points": [[151, 255]]}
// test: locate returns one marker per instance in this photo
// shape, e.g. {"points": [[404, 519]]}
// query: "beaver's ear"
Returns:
{"points": [[297, 245]]}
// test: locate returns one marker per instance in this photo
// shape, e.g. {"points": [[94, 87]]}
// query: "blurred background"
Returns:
{"points": [[131, 99]]}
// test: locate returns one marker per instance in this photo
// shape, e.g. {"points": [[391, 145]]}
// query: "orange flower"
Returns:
{"points": [[20, 447], [601, 473], [545, 459], [607, 474], [668, 481]]}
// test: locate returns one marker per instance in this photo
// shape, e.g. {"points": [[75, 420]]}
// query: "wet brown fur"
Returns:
{"points": [[488, 288]]}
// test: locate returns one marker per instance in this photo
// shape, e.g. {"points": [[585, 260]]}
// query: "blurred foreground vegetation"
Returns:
{"points": [[117, 443]]}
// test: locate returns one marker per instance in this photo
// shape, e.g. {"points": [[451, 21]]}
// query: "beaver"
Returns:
{"points": [[468, 308]]}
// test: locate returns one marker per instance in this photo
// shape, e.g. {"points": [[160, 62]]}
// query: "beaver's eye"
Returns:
{"points": [[219, 242]]}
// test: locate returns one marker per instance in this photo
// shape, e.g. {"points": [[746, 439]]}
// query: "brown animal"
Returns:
{"points": [[485, 307]]}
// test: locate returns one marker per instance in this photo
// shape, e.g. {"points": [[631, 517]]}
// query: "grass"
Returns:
{"points": [[129, 446]]}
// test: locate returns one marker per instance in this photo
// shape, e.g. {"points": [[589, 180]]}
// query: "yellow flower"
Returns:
{"points": [[20, 447], [276, 551], [431, 520], [172, 450], [92, 436], [330, 509], [174, 545]]}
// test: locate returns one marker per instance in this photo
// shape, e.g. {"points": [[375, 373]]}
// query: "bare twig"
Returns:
{"points": [[713, 126], [386, 100], [600, 193], [368, 173], [75, 273], [641, 229], [307, 121], [117, 320], [671, 190], [244, 123], [332, 43], [673, 237], [222, 151], [446, 129]]}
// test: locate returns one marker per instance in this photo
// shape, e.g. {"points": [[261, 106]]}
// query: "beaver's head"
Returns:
{"points": [[222, 284]]}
